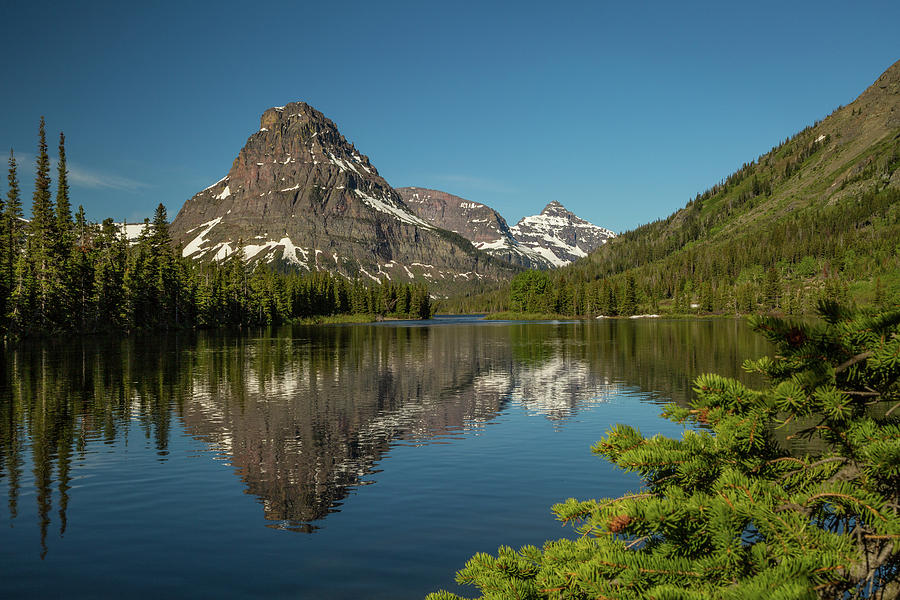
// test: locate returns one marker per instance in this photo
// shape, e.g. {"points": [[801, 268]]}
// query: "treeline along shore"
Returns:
{"points": [[60, 273]]}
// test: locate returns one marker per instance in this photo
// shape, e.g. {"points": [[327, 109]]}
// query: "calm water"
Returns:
{"points": [[358, 461]]}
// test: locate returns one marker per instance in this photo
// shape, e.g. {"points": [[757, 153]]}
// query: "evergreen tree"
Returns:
{"points": [[165, 274], [611, 306], [5, 277], [42, 240], [13, 227], [81, 272], [63, 270], [108, 302], [629, 303], [64, 225], [707, 303]]}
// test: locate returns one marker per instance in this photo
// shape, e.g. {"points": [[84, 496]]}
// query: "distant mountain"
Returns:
{"points": [[475, 221], [560, 236], [554, 238], [478, 223], [299, 195]]}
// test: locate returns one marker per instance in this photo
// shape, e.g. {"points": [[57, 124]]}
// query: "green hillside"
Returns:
{"points": [[817, 215]]}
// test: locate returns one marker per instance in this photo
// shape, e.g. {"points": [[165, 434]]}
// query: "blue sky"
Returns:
{"points": [[621, 112]]}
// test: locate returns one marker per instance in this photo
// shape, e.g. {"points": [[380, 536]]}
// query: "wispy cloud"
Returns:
{"points": [[478, 183], [80, 176], [96, 179]]}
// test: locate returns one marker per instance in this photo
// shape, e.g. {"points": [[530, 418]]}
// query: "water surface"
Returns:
{"points": [[352, 461]]}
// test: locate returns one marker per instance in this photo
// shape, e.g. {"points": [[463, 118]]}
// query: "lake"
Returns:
{"points": [[344, 461]]}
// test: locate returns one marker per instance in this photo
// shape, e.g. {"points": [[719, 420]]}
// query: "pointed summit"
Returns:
{"points": [[559, 235], [552, 206], [300, 195]]}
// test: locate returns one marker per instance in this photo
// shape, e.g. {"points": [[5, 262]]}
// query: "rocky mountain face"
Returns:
{"points": [[559, 236], [300, 195], [554, 238], [475, 221]]}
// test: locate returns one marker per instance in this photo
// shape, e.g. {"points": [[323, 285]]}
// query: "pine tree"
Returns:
{"points": [[13, 226], [611, 306], [42, 238], [64, 225], [108, 302], [5, 279], [82, 272], [63, 269], [707, 302], [165, 275], [728, 512], [629, 303]]}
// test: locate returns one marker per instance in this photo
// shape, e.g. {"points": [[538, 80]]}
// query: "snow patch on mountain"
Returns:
{"points": [[386, 205], [560, 236], [225, 193], [195, 245]]}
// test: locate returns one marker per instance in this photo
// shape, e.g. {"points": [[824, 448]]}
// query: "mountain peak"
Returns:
{"points": [[299, 194], [293, 110], [554, 206]]}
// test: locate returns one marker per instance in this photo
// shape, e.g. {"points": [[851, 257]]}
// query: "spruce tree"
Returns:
{"points": [[5, 279], [64, 225], [611, 307], [42, 238], [629, 303], [165, 277], [64, 284], [13, 225], [108, 306], [82, 272]]}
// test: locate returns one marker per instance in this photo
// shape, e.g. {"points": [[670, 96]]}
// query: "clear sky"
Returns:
{"points": [[621, 111]]}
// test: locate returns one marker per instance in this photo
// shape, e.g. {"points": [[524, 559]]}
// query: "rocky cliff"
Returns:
{"points": [[300, 195]]}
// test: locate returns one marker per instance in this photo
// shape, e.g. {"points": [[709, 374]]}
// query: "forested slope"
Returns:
{"points": [[816, 215]]}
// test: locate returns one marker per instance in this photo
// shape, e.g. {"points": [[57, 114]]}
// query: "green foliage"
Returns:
{"points": [[11, 230], [531, 291], [727, 511]]}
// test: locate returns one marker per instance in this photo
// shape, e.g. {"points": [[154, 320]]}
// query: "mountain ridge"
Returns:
{"points": [[551, 239]]}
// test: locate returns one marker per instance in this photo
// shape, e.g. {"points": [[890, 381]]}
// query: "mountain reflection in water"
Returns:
{"points": [[304, 413]]}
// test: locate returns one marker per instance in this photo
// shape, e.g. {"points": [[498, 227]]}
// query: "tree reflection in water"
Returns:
{"points": [[304, 413]]}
